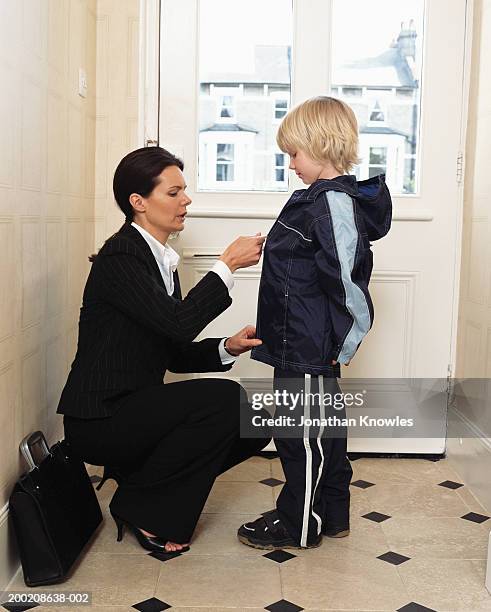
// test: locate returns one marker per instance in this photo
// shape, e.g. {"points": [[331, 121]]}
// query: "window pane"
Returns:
{"points": [[280, 159], [225, 172], [225, 152], [244, 91], [376, 69], [378, 155], [280, 174]]}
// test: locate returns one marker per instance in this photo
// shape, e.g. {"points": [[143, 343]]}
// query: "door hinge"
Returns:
{"points": [[152, 143], [460, 166]]}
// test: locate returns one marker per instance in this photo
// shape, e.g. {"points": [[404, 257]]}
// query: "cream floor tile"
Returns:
{"points": [[365, 537], [216, 534], [396, 471], [436, 538], [105, 494], [276, 469], [105, 540], [86, 609], [415, 500], [356, 582], [445, 468], [254, 469], [445, 584], [215, 609], [113, 580], [239, 498], [239, 581], [472, 503]]}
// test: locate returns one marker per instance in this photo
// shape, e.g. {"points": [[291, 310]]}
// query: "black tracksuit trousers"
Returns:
{"points": [[316, 494], [171, 441]]}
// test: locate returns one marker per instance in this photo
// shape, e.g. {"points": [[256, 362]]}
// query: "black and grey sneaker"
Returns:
{"points": [[268, 533]]}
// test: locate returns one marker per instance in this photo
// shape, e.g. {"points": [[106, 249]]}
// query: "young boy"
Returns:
{"points": [[314, 309]]}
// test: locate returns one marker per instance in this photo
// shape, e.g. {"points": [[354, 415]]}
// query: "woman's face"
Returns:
{"points": [[165, 207]]}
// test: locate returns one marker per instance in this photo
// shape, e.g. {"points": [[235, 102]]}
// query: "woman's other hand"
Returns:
{"points": [[242, 341], [243, 252], [334, 362]]}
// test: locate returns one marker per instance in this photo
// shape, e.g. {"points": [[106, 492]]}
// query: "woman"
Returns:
{"points": [[168, 441]]}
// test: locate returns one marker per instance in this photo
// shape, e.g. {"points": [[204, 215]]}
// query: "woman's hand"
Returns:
{"points": [[243, 252], [242, 341]]}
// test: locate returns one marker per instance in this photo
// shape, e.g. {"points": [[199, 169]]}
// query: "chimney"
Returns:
{"points": [[406, 41]]}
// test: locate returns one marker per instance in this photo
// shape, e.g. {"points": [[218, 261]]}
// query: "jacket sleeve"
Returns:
{"points": [[336, 239], [200, 356], [128, 285]]}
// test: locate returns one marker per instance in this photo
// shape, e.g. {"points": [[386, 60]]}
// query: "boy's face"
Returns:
{"points": [[308, 169]]}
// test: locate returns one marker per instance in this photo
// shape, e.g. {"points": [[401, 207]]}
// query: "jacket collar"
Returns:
{"points": [[129, 232]]}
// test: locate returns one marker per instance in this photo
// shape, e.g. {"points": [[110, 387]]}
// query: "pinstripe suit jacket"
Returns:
{"points": [[131, 331]]}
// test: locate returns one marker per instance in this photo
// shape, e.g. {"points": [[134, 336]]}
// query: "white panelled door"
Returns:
{"points": [[229, 71]]}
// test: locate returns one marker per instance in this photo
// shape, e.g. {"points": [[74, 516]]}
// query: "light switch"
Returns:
{"points": [[82, 83]]}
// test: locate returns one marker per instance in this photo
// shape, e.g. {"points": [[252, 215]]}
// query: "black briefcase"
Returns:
{"points": [[54, 509]]}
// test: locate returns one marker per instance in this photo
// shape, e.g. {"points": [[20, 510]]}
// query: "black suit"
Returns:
{"points": [[131, 331], [170, 440]]}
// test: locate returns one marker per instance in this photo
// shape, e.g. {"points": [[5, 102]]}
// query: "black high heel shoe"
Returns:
{"points": [[153, 543], [110, 472]]}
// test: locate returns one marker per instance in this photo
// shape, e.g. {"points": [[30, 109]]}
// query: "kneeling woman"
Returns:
{"points": [[167, 441]]}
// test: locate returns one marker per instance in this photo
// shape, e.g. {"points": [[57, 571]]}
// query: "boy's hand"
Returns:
{"points": [[334, 362], [242, 341]]}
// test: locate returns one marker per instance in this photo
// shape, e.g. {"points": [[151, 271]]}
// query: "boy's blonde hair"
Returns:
{"points": [[324, 128]]}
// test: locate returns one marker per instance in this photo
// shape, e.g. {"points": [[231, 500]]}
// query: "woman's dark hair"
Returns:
{"points": [[138, 172]]}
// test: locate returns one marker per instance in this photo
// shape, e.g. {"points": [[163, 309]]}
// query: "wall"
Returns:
{"points": [[47, 149], [116, 104], [471, 452]]}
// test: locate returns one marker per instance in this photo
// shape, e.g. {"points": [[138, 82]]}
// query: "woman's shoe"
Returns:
{"points": [[110, 472], [153, 543]]}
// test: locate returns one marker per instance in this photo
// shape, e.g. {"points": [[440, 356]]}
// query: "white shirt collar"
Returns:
{"points": [[167, 259]]}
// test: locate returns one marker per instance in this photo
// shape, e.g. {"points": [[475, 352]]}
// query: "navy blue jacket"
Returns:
{"points": [[314, 305]]}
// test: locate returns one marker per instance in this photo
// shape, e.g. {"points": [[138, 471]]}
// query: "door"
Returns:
{"points": [[230, 70]]}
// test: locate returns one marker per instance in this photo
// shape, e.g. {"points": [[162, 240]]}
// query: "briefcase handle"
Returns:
{"points": [[34, 448]]}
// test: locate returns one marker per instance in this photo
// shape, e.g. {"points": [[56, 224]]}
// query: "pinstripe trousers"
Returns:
{"points": [[318, 473], [170, 441]]}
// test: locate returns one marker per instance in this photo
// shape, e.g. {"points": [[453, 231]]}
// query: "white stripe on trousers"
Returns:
{"points": [[308, 508], [319, 445], [308, 464]]}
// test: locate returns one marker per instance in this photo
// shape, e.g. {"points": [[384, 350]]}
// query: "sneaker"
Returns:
{"points": [[268, 533]]}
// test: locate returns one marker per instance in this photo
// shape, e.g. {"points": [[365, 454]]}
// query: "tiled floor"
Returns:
{"points": [[418, 542]]}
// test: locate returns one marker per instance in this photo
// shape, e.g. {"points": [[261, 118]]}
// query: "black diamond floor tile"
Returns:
{"points": [[164, 556], [394, 558], [151, 605], [450, 484], [272, 482], [283, 606], [378, 517], [475, 517], [95, 478], [363, 484], [280, 556], [415, 607], [18, 607]]}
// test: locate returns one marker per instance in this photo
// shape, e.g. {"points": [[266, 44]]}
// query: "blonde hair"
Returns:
{"points": [[324, 128]]}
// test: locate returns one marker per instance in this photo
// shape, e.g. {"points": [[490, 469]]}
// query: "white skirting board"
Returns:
{"points": [[9, 557]]}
